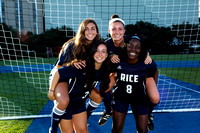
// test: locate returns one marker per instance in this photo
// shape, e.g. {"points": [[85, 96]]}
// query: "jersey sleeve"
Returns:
{"points": [[115, 50], [110, 46], [66, 54]]}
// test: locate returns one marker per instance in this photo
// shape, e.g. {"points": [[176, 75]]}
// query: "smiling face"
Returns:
{"points": [[133, 50], [116, 30], [101, 54], [90, 31]]}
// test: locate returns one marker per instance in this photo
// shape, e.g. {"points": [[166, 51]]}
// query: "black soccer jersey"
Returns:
{"points": [[131, 80], [77, 82]]}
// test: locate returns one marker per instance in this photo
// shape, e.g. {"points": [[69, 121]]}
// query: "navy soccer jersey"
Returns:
{"points": [[115, 50], [131, 80], [67, 54], [77, 82]]}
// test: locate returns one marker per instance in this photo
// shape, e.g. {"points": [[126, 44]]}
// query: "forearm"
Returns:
{"points": [[112, 82], [152, 90], [54, 81], [68, 63]]}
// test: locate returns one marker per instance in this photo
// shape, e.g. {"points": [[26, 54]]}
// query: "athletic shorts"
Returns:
{"points": [[138, 108], [74, 107]]}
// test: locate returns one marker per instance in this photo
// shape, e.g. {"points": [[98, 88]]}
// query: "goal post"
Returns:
{"points": [[24, 74]]}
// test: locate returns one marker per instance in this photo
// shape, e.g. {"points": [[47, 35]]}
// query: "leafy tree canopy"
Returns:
{"points": [[52, 38]]}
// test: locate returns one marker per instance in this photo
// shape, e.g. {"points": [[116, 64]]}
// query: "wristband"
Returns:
{"points": [[52, 90]]}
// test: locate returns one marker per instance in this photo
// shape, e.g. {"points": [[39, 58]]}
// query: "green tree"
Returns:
{"points": [[10, 28], [188, 34], [51, 38], [155, 38], [7, 35]]}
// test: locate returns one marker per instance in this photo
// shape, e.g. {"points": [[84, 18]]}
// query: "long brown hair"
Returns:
{"points": [[81, 48], [80, 41]]}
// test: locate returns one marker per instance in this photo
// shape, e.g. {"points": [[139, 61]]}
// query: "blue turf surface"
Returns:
{"points": [[185, 122], [48, 67], [182, 122], [179, 122]]}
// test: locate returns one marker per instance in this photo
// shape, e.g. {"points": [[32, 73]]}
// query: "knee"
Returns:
{"points": [[82, 130], [64, 102], [97, 99]]}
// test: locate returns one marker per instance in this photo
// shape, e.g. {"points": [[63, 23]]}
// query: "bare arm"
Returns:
{"points": [[53, 83], [152, 90], [112, 81]]}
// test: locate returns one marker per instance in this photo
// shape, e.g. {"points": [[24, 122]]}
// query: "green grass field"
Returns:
{"points": [[23, 95], [26, 95], [176, 57], [190, 75], [14, 126]]}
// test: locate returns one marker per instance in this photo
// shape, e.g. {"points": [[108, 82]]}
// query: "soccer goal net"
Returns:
{"points": [[171, 29]]}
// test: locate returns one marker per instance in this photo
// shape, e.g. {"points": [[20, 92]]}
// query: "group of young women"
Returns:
{"points": [[85, 62]]}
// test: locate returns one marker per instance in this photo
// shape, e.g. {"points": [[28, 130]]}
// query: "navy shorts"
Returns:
{"points": [[138, 108], [74, 107]]}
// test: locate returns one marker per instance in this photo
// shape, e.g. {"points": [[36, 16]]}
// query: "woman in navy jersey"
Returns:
{"points": [[116, 44], [82, 81], [75, 52], [131, 77]]}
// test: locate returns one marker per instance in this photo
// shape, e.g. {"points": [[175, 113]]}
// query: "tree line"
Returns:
{"points": [[159, 40]]}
